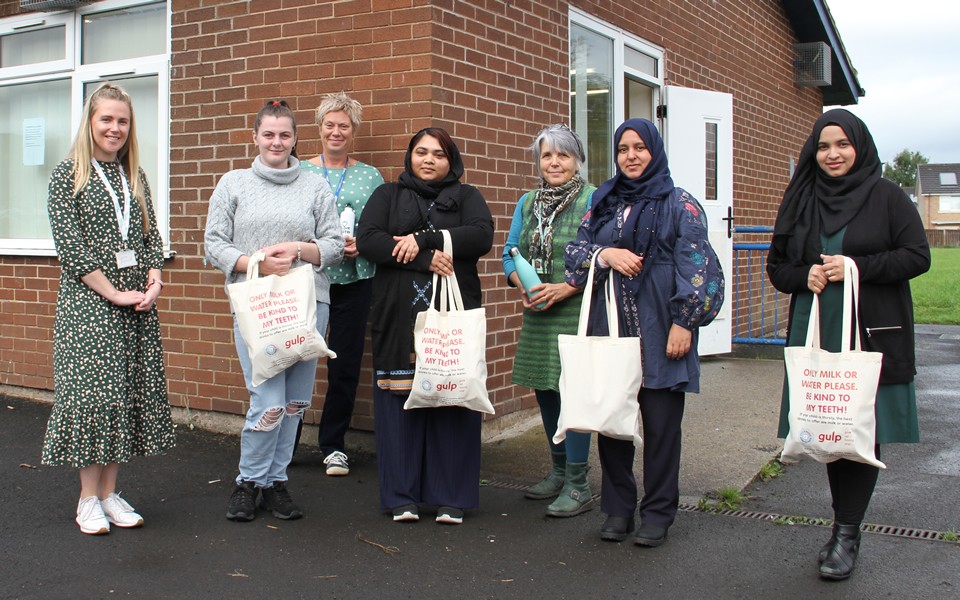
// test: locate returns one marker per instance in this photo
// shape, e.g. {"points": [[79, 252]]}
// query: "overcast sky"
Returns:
{"points": [[907, 57]]}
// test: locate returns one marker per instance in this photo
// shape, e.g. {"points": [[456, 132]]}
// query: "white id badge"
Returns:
{"points": [[126, 258]]}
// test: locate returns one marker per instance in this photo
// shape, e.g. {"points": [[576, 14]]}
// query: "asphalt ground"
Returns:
{"points": [[345, 548]]}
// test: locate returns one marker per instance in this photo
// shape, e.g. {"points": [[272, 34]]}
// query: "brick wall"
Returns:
{"points": [[492, 73]]}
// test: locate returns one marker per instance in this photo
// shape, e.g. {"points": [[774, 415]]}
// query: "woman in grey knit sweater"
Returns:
{"points": [[290, 214]]}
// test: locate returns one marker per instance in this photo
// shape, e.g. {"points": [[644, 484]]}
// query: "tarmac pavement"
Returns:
{"points": [[345, 548]]}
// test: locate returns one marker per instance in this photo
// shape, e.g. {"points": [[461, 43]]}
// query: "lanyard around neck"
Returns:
{"points": [[343, 176], [123, 215]]}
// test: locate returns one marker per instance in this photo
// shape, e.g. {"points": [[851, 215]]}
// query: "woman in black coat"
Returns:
{"points": [[426, 456], [837, 205]]}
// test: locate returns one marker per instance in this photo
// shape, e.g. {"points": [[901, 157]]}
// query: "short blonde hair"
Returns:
{"points": [[337, 102]]}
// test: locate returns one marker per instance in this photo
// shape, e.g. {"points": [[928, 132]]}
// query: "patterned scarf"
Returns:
{"points": [[547, 204]]}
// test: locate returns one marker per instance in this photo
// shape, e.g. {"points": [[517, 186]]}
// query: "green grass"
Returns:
{"points": [[935, 292]]}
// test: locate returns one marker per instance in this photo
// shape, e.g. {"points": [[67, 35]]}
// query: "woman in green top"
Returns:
{"points": [[837, 205], [543, 222], [351, 284]]}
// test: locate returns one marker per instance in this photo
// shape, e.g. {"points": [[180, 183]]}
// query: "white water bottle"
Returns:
{"points": [[525, 271], [347, 221]]}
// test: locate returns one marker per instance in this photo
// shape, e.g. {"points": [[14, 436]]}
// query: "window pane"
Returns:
{"points": [[644, 63], [126, 33], [638, 102], [591, 106], [34, 136], [30, 47], [711, 162], [143, 91]]}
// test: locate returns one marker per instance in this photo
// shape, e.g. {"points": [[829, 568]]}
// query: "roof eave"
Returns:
{"points": [[812, 22]]}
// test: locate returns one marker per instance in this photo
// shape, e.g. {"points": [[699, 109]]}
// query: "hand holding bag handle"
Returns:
{"points": [[832, 394], [600, 376]]}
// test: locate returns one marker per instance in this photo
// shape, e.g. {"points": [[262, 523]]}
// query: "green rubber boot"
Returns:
{"points": [[552, 484], [575, 497]]}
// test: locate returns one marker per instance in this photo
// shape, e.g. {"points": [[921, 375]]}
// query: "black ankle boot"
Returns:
{"points": [[841, 557], [826, 547]]}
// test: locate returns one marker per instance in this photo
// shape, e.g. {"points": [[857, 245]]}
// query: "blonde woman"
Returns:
{"points": [[110, 394], [351, 282]]}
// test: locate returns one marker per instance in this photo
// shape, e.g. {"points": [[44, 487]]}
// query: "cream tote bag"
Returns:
{"points": [[277, 318], [451, 348], [832, 394], [600, 376]]}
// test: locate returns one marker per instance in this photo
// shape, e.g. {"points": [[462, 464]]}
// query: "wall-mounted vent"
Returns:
{"points": [[52, 4], [811, 64]]}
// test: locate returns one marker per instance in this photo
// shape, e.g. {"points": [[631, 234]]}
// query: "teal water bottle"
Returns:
{"points": [[526, 272]]}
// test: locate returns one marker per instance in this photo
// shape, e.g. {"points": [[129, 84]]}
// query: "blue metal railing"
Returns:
{"points": [[754, 254]]}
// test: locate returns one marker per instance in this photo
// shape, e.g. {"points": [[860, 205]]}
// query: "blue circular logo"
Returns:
{"points": [[425, 385], [805, 436], [270, 350]]}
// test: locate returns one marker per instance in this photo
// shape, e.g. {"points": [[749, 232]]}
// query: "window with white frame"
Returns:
{"points": [[614, 76], [49, 64], [950, 204]]}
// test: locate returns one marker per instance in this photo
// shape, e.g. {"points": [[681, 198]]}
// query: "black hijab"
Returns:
{"points": [[814, 201], [445, 192]]}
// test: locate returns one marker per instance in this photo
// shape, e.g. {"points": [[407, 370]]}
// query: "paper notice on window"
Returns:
{"points": [[33, 140]]}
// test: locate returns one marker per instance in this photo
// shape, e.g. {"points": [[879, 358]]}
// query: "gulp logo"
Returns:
{"points": [[446, 386], [425, 385], [270, 350], [833, 436], [805, 436], [295, 341]]}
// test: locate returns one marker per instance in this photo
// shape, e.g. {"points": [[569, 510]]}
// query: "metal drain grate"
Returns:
{"points": [[904, 532]]}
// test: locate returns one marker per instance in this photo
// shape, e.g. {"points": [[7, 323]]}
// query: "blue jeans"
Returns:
{"points": [[276, 409]]}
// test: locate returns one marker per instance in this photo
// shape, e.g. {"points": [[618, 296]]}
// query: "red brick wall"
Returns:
{"points": [[493, 73]]}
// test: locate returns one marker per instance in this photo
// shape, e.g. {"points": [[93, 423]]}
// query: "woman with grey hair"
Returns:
{"points": [[543, 222], [351, 282]]}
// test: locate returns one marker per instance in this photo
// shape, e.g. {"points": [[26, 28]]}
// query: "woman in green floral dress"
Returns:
{"points": [[109, 386]]}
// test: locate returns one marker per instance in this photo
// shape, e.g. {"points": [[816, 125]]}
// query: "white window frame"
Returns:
{"points": [[79, 75], [948, 204], [620, 40]]}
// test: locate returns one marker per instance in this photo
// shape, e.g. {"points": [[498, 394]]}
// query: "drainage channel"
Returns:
{"points": [[891, 530]]}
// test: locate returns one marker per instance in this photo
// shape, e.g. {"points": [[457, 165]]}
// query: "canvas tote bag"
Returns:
{"points": [[451, 349], [277, 317], [832, 394], [600, 376]]}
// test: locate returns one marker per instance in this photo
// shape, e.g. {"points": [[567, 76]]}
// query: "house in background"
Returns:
{"points": [[938, 195], [734, 87]]}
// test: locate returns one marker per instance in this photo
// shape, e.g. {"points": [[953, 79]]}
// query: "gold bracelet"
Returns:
{"points": [[298, 252]]}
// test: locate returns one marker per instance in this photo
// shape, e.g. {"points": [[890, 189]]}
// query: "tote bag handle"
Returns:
{"points": [[451, 287], [253, 265], [851, 302], [613, 319]]}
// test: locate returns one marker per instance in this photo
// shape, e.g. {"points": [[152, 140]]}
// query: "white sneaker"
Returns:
{"points": [[119, 512], [90, 516], [337, 464]]}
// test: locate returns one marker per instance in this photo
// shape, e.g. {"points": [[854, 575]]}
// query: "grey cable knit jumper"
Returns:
{"points": [[257, 207]]}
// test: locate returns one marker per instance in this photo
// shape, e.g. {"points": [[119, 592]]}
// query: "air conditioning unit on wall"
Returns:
{"points": [[811, 64], [52, 4]]}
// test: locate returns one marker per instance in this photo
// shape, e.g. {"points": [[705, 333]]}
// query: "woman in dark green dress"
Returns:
{"points": [[110, 394], [837, 204]]}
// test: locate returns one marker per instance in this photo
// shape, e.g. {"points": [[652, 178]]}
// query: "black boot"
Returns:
{"points": [[826, 547], [841, 557]]}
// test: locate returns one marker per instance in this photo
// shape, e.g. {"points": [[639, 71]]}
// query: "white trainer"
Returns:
{"points": [[337, 464], [119, 512], [90, 516]]}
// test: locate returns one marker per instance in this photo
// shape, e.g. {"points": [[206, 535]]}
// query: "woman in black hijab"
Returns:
{"points": [[837, 204], [429, 456]]}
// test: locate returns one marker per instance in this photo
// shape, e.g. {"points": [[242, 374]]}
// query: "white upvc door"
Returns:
{"points": [[697, 128]]}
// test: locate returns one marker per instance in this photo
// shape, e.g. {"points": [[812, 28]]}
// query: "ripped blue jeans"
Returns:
{"points": [[276, 409]]}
